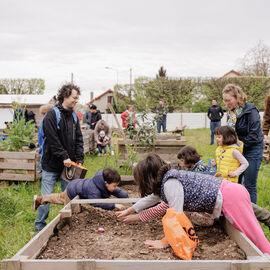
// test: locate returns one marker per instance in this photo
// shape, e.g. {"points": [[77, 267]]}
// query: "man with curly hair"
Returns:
{"points": [[63, 143]]}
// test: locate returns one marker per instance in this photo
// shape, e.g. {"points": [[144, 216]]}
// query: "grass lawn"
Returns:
{"points": [[17, 217]]}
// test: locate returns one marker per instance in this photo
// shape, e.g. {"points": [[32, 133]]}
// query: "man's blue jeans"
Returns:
{"points": [[213, 125], [248, 178], [47, 186], [161, 124]]}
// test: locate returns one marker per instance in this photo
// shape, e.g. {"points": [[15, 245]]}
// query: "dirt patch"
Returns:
{"points": [[121, 241]]}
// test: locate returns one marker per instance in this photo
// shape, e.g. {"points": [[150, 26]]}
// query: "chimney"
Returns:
{"points": [[91, 95]]}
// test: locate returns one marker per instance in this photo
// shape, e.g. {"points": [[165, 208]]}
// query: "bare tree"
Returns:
{"points": [[256, 61]]}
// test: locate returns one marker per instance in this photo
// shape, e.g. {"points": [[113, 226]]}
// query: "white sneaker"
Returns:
{"points": [[99, 155], [112, 153]]}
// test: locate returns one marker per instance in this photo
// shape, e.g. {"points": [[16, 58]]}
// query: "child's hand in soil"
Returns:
{"points": [[119, 206], [131, 218], [121, 214], [154, 244]]}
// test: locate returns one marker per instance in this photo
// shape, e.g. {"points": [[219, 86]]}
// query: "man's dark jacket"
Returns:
{"points": [[94, 188], [95, 117], [215, 113], [63, 143]]}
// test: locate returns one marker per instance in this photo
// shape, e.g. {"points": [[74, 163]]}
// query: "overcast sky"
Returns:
{"points": [[50, 39]]}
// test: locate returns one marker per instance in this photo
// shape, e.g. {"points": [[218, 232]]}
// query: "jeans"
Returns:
{"points": [[248, 178], [100, 148], [161, 124], [213, 125], [47, 186], [87, 126]]}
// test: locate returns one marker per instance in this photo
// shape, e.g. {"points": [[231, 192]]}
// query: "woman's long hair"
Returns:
{"points": [[148, 174]]}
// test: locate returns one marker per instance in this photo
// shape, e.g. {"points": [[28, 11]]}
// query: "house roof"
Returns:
{"points": [[100, 96], [232, 71], [25, 99]]}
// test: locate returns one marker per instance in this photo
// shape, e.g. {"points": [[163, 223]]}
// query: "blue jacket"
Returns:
{"points": [[94, 188], [248, 126]]}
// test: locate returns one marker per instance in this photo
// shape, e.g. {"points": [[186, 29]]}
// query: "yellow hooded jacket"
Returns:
{"points": [[225, 161]]}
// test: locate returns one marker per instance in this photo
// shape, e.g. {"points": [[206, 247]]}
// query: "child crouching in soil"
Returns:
{"points": [[102, 185], [195, 192], [191, 160]]}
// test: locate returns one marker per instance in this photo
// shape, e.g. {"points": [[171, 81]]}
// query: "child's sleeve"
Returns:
{"points": [[244, 163], [106, 206], [153, 212], [119, 193]]}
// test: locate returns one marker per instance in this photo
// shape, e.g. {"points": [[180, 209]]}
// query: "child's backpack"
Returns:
{"points": [[41, 136]]}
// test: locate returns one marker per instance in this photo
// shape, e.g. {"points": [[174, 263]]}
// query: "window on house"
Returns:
{"points": [[110, 99]]}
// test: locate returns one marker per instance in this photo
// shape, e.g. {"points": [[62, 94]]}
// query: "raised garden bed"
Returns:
{"points": [[166, 146], [81, 246]]}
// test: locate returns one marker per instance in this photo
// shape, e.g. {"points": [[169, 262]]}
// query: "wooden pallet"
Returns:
{"points": [[25, 258], [166, 149], [18, 166]]}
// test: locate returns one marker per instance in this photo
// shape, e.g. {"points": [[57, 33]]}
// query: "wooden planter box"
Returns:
{"points": [[89, 144], [18, 166], [25, 258], [167, 149]]}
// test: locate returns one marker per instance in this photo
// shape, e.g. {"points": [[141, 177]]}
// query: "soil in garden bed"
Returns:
{"points": [[125, 241]]}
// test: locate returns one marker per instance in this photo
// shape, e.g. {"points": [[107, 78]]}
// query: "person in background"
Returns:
{"points": [[266, 118], [128, 119], [79, 114], [4, 134], [103, 126], [244, 117], [102, 141], [215, 114], [63, 144], [95, 116], [101, 186], [162, 116], [88, 119]]}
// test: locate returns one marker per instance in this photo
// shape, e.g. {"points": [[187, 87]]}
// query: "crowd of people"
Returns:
{"points": [[226, 186]]}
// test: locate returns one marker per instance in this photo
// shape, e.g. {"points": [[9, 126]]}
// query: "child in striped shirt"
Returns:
{"points": [[191, 160]]}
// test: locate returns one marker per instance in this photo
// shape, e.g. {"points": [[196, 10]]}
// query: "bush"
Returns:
{"points": [[20, 133]]}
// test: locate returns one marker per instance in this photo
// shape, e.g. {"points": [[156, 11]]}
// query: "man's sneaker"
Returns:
{"points": [[112, 153], [36, 202], [99, 154]]}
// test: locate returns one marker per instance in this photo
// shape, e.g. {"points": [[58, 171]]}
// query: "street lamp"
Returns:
{"points": [[116, 72]]}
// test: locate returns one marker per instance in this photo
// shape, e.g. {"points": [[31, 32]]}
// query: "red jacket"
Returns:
{"points": [[125, 119]]}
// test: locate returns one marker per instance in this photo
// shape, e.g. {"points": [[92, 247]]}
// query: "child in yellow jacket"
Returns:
{"points": [[230, 161]]}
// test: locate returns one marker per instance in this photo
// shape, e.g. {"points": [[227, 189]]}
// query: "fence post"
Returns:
{"points": [[205, 120]]}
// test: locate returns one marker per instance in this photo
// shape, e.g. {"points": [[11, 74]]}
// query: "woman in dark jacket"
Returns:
{"points": [[245, 118]]}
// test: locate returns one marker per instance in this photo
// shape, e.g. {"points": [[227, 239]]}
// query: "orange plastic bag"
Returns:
{"points": [[180, 234]]}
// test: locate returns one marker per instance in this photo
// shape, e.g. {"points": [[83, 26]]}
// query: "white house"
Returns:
{"points": [[102, 100]]}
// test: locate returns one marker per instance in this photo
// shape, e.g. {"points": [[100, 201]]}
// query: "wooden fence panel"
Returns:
{"points": [[18, 166]]}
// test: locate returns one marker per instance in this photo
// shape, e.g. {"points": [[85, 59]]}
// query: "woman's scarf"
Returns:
{"points": [[233, 115]]}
